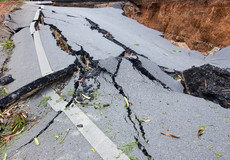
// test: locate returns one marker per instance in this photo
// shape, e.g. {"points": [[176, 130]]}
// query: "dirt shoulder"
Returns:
{"points": [[6, 8]]}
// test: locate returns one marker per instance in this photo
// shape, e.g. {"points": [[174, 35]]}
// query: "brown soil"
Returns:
{"points": [[5, 9], [202, 24]]}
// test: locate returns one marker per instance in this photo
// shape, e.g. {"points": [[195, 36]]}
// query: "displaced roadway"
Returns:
{"points": [[128, 60]]}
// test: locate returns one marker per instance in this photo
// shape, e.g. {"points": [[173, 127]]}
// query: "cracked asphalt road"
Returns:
{"points": [[125, 60]]}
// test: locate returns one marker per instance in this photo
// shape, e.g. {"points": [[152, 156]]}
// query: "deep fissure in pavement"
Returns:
{"points": [[95, 71], [110, 37], [43, 130], [138, 65], [129, 111], [143, 149]]}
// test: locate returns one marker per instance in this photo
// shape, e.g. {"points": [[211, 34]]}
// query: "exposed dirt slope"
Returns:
{"points": [[202, 24], [6, 7]]}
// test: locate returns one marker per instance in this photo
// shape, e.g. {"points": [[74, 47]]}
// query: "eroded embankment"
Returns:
{"points": [[203, 24]]}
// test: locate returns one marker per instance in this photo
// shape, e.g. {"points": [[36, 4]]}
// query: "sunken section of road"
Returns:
{"points": [[119, 61], [209, 82], [119, 85]]}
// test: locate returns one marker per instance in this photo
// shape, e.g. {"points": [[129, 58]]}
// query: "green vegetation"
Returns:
{"points": [[71, 92], [61, 98], [2, 92], [12, 126], [128, 148], [132, 158], [96, 94], [218, 154], [44, 101], [8, 46]]}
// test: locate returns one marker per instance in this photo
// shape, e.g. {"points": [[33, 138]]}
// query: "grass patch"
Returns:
{"points": [[8, 46], [128, 148], [44, 101], [2, 92]]}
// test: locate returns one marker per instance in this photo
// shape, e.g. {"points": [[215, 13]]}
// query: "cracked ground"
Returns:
{"points": [[119, 59]]}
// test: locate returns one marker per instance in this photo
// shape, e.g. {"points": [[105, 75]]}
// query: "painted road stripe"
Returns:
{"points": [[42, 59], [97, 139]]}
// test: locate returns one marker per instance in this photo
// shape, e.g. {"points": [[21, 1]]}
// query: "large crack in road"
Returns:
{"points": [[94, 71], [90, 75]]}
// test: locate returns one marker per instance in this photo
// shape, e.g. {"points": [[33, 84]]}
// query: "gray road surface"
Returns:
{"points": [[157, 101]]}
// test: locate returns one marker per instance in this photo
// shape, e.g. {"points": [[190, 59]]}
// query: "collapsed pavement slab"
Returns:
{"points": [[209, 82]]}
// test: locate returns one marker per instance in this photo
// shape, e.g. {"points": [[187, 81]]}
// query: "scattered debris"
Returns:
{"points": [[82, 80], [86, 96], [5, 156], [218, 154], [201, 131], [34, 124], [36, 85], [170, 135], [56, 137], [80, 125], [63, 139], [6, 80], [36, 141], [127, 102], [147, 120], [13, 124], [209, 82]]}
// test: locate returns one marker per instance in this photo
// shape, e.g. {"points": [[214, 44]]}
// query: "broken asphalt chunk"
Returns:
{"points": [[208, 82], [6, 80], [36, 85]]}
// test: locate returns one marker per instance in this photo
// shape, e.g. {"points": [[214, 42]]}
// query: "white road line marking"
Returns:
{"points": [[97, 139], [32, 28], [42, 59]]}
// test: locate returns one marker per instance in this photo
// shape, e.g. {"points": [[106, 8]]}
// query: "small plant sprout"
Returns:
{"points": [[8, 46], [44, 101]]}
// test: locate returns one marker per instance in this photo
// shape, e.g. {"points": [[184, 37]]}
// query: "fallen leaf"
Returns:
{"points": [[85, 96], [127, 102], [165, 54], [6, 91], [93, 150], [34, 124], [63, 139], [226, 90], [82, 80], [201, 131], [224, 116], [56, 137], [170, 135], [36, 141], [147, 120], [77, 100], [5, 156], [218, 154], [205, 83], [107, 34]]}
